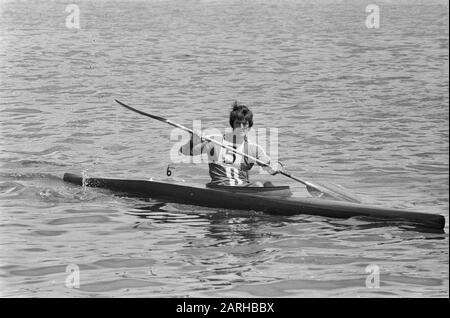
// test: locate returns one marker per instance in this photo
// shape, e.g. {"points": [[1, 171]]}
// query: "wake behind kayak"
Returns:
{"points": [[264, 202]]}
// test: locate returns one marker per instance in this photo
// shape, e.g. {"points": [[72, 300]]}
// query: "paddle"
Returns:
{"points": [[314, 189]]}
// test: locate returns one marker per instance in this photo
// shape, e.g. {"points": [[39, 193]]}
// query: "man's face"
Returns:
{"points": [[240, 128]]}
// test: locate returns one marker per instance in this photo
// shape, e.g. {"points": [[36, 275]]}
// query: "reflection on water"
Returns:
{"points": [[176, 250], [248, 221]]}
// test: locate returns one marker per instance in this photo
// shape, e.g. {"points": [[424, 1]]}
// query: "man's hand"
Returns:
{"points": [[276, 168]]}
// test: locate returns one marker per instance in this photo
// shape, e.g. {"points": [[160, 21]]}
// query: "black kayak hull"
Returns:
{"points": [[214, 198]]}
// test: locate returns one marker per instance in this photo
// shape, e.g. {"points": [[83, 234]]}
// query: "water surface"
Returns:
{"points": [[364, 108]]}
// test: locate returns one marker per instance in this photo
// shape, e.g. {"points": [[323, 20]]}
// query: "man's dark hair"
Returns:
{"points": [[241, 113]]}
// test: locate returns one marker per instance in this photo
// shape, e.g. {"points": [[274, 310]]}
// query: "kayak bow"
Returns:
{"points": [[220, 198]]}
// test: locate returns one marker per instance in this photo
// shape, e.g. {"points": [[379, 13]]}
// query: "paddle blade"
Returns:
{"points": [[331, 191], [325, 191]]}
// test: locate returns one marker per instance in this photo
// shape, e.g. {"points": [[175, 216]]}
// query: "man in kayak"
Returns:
{"points": [[227, 168]]}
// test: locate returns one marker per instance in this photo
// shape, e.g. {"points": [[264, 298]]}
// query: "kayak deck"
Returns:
{"points": [[274, 191], [215, 198]]}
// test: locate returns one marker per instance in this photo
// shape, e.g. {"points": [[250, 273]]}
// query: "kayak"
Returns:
{"points": [[256, 199]]}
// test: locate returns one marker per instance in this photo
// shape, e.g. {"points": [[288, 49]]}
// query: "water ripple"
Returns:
{"points": [[364, 108]]}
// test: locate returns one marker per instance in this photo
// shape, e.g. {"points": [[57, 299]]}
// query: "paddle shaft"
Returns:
{"points": [[306, 183], [193, 132]]}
